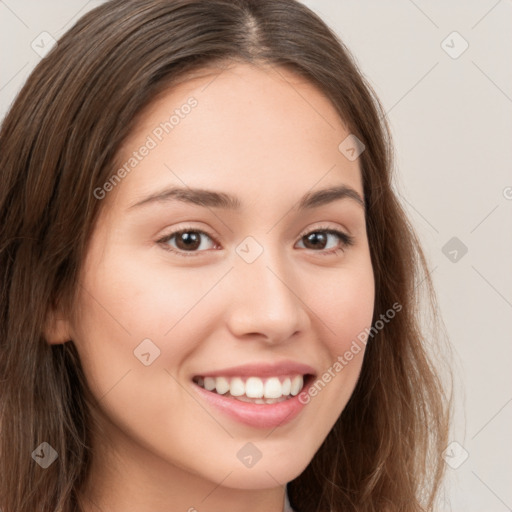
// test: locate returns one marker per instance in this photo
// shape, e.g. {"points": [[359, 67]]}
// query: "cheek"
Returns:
{"points": [[133, 298], [344, 303], [130, 297], [123, 302], [344, 306], [130, 309]]}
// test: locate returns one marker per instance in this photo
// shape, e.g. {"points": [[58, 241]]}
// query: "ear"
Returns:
{"points": [[57, 328]]}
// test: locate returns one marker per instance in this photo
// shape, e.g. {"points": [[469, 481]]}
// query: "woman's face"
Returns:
{"points": [[253, 297]]}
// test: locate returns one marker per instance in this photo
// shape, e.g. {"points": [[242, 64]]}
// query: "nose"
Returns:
{"points": [[265, 301]]}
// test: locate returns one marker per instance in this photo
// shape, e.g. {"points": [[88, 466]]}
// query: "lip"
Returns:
{"points": [[258, 415], [279, 369]]}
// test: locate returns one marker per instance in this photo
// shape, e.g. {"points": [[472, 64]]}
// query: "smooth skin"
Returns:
{"points": [[267, 137]]}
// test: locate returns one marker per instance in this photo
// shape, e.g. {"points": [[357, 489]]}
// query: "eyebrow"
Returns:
{"points": [[213, 199]]}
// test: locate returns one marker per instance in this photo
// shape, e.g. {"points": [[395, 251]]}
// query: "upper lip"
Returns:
{"points": [[261, 370]]}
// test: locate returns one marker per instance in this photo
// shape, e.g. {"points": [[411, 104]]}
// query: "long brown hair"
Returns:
{"points": [[59, 143]]}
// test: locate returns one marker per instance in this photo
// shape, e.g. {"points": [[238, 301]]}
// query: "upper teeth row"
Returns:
{"points": [[254, 387]]}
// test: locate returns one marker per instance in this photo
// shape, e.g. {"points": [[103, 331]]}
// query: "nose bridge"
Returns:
{"points": [[264, 298]]}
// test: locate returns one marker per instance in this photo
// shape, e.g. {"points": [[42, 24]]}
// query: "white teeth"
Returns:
{"points": [[286, 386], [221, 385], [209, 383], [297, 384], [254, 389], [273, 388], [237, 387]]}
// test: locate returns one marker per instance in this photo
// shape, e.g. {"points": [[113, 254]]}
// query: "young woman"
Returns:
{"points": [[208, 296]]}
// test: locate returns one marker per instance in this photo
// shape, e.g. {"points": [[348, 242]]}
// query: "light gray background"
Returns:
{"points": [[452, 127]]}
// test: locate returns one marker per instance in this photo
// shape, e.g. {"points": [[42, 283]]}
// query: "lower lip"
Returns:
{"points": [[256, 415]]}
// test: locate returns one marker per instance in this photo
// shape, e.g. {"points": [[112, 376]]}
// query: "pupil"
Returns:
{"points": [[190, 240], [315, 238]]}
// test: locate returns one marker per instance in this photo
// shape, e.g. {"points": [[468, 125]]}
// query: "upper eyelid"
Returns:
{"points": [[323, 227]]}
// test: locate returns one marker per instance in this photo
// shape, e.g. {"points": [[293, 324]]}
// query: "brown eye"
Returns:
{"points": [[318, 239], [185, 241], [188, 240]]}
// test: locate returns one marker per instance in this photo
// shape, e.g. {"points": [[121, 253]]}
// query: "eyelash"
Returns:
{"points": [[346, 240]]}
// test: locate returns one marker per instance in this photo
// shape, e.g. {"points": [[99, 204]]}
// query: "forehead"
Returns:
{"points": [[246, 128]]}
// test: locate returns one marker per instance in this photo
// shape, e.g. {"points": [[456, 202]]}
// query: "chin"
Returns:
{"points": [[263, 475]]}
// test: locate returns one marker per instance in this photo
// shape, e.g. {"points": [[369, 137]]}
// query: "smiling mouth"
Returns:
{"points": [[256, 390]]}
